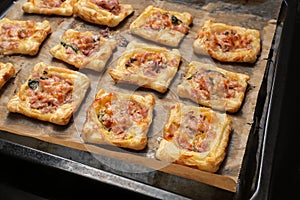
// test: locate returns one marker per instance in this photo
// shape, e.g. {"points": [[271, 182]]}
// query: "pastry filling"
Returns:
{"points": [[47, 92], [51, 3], [159, 21], [12, 33], [83, 44], [149, 63], [111, 6], [118, 116], [229, 41], [194, 132], [212, 85]]}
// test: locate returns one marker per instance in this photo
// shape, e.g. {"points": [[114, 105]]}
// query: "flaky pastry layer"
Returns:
{"points": [[22, 36], [109, 12], [7, 71], [119, 119], [147, 66], [195, 137], [228, 43], [50, 7], [84, 49], [50, 93], [213, 87], [162, 26]]}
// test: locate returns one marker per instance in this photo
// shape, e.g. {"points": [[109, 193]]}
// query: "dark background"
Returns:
{"points": [[285, 179]]}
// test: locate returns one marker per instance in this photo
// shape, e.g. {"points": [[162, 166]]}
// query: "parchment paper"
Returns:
{"points": [[69, 135]]}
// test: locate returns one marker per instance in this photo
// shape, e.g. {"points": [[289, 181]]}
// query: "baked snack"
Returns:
{"points": [[84, 49], [196, 137], [50, 93], [162, 26], [213, 87], [228, 43], [147, 66], [102, 12], [7, 71], [22, 37], [49, 7], [119, 119]]}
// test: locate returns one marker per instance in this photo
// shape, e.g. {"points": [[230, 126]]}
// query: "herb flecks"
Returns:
{"points": [[130, 61], [175, 20], [75, 49], [190, 77], [33, 84]]}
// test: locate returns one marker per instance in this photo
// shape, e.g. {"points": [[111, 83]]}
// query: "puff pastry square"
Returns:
{"points": [[147, 66], [84, 49], [102, 12], [7, 71], [50, 93], [162, 26], [22, 37], [119, 119], [49, 7], [228, 43], [196, 137], [213, 87]]}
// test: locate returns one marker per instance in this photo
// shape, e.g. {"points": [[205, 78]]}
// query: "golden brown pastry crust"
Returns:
{"points": [[49, 7], [228, 43], [148, 66], [7, 71], [111, 14], [50, 93], [213, 87], [162, 26], [119, 119], [22, 37], [196, 137], [84, 49]]}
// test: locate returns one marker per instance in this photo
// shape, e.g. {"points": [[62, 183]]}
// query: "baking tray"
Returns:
{"points": [[84, 164]]}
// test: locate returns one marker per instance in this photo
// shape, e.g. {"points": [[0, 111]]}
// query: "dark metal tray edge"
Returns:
{"points": [[46, 159], [269, 122]]}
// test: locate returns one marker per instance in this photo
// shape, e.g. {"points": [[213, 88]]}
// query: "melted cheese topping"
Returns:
{"points": [[150, 63], [195, 130], [11, 34], [22, 37], [147, 66], [119, 115], [228, 41], [47, 92], [158, 20], [49, 3], [211, 85], [81, 45], [111, 6]]}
